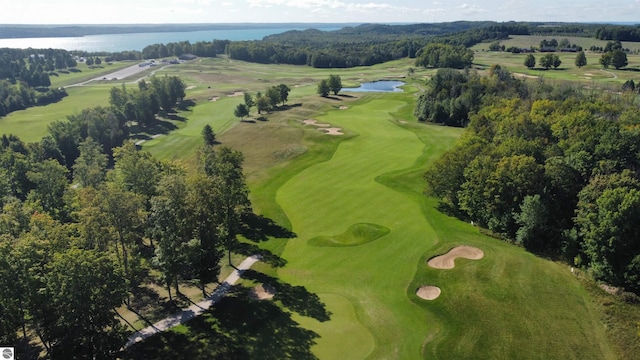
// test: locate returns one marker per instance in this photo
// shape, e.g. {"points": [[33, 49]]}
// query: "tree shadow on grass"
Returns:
{"points": [[295, 298], [266, 256], [259, 228], [186, 105], [236, 328]]}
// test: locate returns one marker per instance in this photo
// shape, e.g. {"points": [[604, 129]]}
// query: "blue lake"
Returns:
{"points": [[377, 86], [137, 41]]}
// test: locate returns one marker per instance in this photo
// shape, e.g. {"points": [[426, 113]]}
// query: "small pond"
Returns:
{"points": [[377, 86]]}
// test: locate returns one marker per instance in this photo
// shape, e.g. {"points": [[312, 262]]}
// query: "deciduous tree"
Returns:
{"points": [[323, 88], [581, 59], [530, 61], [335, 84]]}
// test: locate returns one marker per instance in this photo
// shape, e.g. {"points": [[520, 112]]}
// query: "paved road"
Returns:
{"points": [[195, 309], [121, 74]]}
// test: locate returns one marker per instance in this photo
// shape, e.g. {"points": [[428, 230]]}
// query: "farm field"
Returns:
{"points": [[363, 231]]}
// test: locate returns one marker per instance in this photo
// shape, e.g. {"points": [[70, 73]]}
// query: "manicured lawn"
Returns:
{"points": [[363, 230], [534, 306], [31, 124]]}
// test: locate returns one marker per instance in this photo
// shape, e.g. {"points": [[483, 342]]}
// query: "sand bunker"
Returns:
{"points": [[237, 93], [214, 99], [343, 107], [446, 261], [262, 292], [332, 131], [428, 292], [190, 87], [525, 76], [315, 123]]}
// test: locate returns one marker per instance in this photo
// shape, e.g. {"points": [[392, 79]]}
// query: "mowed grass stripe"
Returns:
{"points": [[327, 198]]}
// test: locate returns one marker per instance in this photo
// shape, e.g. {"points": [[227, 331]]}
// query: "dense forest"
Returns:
{"points": [[85, 217], [554, 168]]}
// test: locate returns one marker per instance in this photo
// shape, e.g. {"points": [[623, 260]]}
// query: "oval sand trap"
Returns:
{"points": [[428, 292], [446, 261]]}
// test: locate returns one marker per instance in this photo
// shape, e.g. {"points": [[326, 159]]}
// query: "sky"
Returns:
{"points": [[278, 11]]}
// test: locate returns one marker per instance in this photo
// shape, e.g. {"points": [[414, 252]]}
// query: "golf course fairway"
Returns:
{"points": [[509, 304]]}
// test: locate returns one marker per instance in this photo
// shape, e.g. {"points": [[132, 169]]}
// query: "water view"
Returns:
{"points": [[137, 41], [377, 86]]}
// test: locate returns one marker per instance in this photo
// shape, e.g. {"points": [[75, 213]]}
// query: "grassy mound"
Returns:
{"points": [[357, 234]]}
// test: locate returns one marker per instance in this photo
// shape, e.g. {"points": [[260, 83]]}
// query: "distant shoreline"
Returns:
{"points": [[9, 31]]}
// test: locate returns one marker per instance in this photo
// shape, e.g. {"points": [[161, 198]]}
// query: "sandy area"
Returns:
{"points": [[343, 107], [315, 123], [190, 87], [262, 292], [332, 131], [237, 93], [525, 76], [429, 292], [446, 261], [215, 98]]}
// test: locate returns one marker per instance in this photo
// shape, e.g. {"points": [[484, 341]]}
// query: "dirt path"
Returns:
{"points": [[610, 73], [195, 309]]}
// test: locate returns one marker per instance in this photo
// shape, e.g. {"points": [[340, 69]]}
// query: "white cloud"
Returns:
{"points": [[323, 5], [471, 9]]}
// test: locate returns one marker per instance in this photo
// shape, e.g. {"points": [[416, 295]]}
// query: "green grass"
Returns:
{"points": [[371, 178], [31, 124], [357, 234], [527, 41], [365, 190], [591, 75]]}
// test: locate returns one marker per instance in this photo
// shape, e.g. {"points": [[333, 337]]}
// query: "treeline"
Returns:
{"points": [[554, 168], [79, 244], [359, 46], [144, 103], [25, 77], [620, 33], [445, 56], [200, 48]]}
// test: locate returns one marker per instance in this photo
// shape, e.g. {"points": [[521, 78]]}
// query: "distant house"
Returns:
{"points": [[568, 49], [187, 57], [547, 49]]}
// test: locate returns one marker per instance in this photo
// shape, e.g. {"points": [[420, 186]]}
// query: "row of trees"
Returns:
{"points": [[548, 60], [554, 169], [200, 48], [444, 56], [71, 254], [332, 84], [263, 102], [142, 104]]}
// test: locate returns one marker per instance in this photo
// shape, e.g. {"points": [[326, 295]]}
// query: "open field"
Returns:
{"points": [[527, 41], [591, 75], [363, 234]]}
